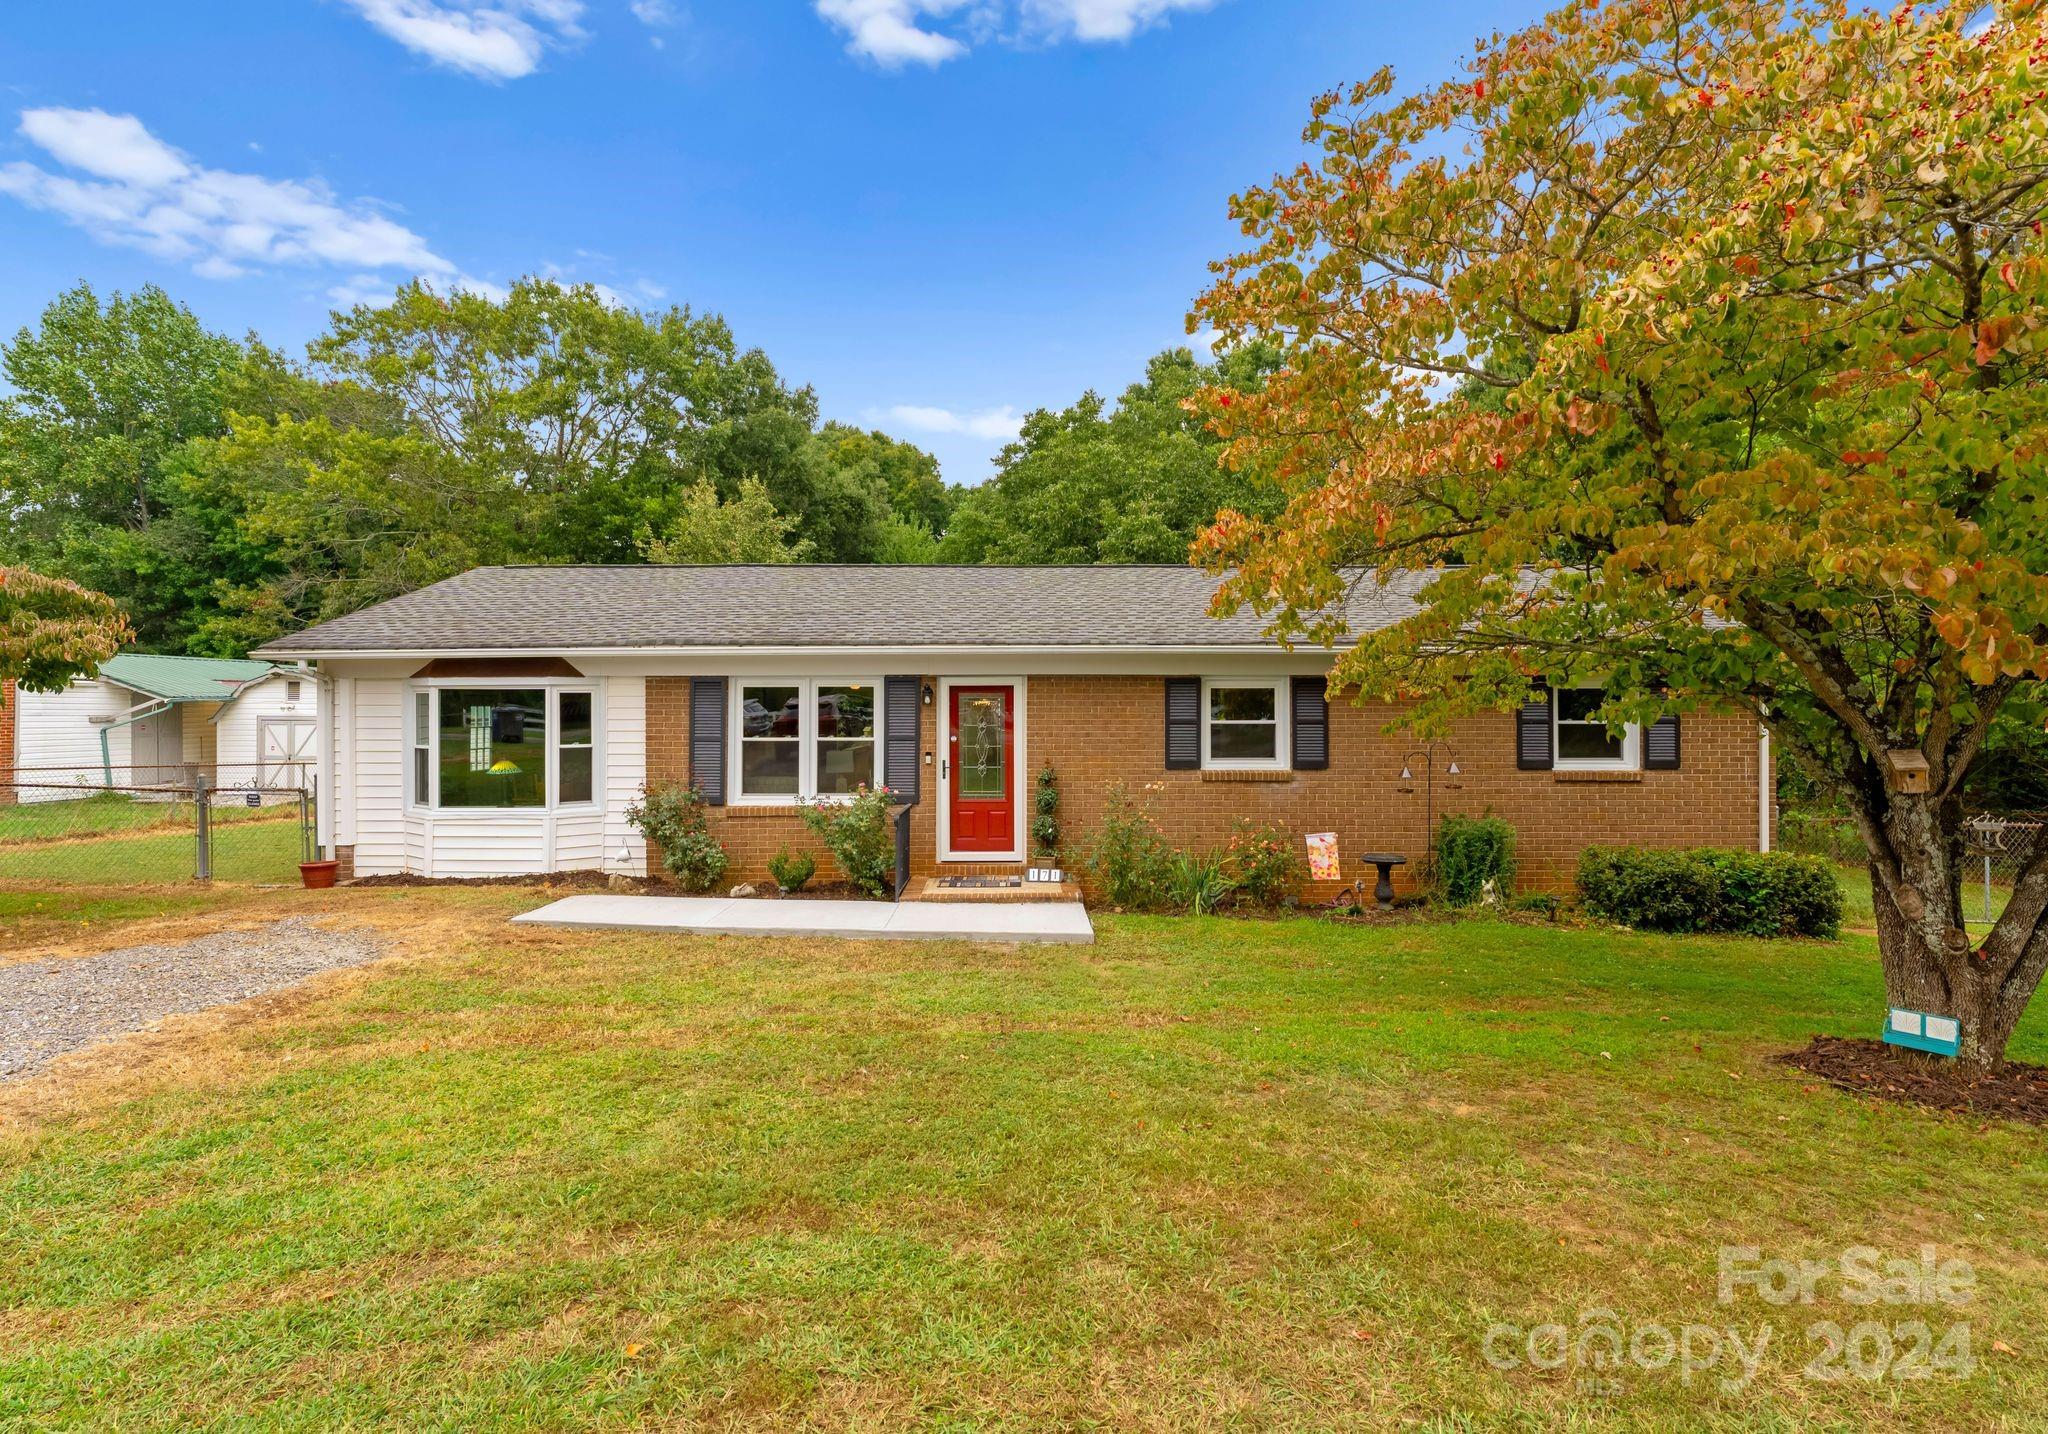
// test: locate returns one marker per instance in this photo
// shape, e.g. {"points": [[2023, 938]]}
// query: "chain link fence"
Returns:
{"points": [[129, 826], [1998, 846]]}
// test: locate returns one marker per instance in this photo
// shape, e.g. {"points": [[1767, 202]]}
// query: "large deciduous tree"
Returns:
{"points": [[106, 397], [1093, 483], [1697, 347]]}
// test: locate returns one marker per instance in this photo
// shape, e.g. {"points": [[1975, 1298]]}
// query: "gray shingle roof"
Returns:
{"points": [[569, 609]]}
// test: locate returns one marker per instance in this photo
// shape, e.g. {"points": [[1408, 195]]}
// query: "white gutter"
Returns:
{"points": [[805, 650], [139, 712], [1765, 795]]}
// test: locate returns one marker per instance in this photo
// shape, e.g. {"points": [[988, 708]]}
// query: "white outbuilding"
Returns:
{"points": [[156, 720]]}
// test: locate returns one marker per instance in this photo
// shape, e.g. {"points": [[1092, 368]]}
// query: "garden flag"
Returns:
{"points": [[1323, 864]]}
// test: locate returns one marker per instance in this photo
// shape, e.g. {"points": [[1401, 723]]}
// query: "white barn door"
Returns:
{"points": [[285, 752]]}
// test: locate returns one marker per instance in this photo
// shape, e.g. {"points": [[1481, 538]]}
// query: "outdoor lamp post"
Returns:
{"points": [[1428, 753]]}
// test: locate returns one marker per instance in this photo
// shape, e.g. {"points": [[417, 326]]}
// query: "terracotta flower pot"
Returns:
{"points": [[318, 875]]}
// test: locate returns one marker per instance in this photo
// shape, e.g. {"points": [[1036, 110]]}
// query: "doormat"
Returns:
{"points": [[978, 883]]}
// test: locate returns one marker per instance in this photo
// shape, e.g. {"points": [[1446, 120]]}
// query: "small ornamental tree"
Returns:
{"points": [[52, 630], [1697, 348]]}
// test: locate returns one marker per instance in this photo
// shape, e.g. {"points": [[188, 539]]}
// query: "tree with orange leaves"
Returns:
{"points": [[52, 630], [1696, 348]]}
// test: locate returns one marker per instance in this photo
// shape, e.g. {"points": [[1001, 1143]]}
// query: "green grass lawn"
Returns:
{"points": [[1244, 1174], [42, 913], [1857, 912], [112, 814], [248, 846]]}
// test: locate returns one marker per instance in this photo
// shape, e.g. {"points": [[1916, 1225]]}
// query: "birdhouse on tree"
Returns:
{"points": [[1909, 772]]}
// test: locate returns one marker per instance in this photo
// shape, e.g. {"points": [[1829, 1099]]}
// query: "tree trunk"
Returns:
{"points": [[1931, 962]]}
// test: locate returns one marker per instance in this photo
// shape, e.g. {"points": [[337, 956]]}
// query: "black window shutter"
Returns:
{"points": [[1311, 725], [1533, 750], [1661, 745], [707, 738], [900, 697], [1183, 724]]}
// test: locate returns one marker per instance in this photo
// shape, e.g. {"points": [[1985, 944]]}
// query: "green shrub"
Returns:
{"points": [[1265, 865], [791, 869], [1197, 882], [672, 817], [1471, 851], [1045, 824], [1777, 893], [860, 837], [1127, 855], [1709, 890]]}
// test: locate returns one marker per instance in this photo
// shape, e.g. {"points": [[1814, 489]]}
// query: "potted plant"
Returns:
{"points": [[319, 875]]}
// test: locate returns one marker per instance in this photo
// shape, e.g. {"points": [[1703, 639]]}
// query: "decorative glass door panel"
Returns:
{"points": [[981, 785]]}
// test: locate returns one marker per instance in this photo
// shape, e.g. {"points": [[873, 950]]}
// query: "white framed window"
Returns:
{"points": [[423, 749], [482, 746], [798, 739], [1583, 743], [1244, 723], [575, 730]]}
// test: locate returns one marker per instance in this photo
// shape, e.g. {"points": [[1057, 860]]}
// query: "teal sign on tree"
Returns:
{"points": [[1920, 1031]]}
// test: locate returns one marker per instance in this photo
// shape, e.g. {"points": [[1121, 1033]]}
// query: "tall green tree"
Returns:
{"points": [[106, 395], [1132, 484], [908, 475], [1759, 288], [447, 431], [744, 530]]}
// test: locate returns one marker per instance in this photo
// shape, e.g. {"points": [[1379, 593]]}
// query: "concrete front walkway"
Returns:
{"points": [[1064, 921]]}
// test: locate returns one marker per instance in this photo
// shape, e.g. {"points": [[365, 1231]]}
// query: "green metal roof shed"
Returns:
{"points": [[183, 679]]}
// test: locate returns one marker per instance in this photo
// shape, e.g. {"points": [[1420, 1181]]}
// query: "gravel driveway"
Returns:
{"points": [[50, 1007]]}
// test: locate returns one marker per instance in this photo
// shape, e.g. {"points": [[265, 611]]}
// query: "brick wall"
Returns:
{"points": [[7, 702], [750, 835], [1099, 730]]}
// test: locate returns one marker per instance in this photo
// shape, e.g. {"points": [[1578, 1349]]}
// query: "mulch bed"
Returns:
{"points": [[1872, 1068]]}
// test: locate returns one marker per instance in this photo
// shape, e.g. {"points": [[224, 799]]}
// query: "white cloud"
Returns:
{"points": [[491, 39], [654, 13], [899, 32], [887, 31], [141, 193], [362, 289], [991, 423], [1099, 20], [108, 146]]}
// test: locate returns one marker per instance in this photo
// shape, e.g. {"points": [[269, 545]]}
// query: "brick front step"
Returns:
{"points": [[928, 889]]}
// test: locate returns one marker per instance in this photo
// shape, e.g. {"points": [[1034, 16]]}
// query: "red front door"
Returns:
{"points": [[981, 785]]}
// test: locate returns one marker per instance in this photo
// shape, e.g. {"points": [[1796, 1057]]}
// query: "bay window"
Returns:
{"points": [[516, 748], [1241, 724], [797, 739]]}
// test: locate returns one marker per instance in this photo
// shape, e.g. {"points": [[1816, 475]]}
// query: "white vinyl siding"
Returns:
{"points": [[239, 746], [625, 773], [383, 843], [57, 744], [391, 835]]}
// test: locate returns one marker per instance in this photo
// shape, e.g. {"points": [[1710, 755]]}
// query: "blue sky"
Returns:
{"points": [[939, 213]]}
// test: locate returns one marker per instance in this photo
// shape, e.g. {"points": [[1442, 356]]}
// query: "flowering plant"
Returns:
{"points": [[856, 832]]}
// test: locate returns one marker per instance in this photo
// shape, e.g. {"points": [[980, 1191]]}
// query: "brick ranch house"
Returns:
{"points": [[503, 721]]}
